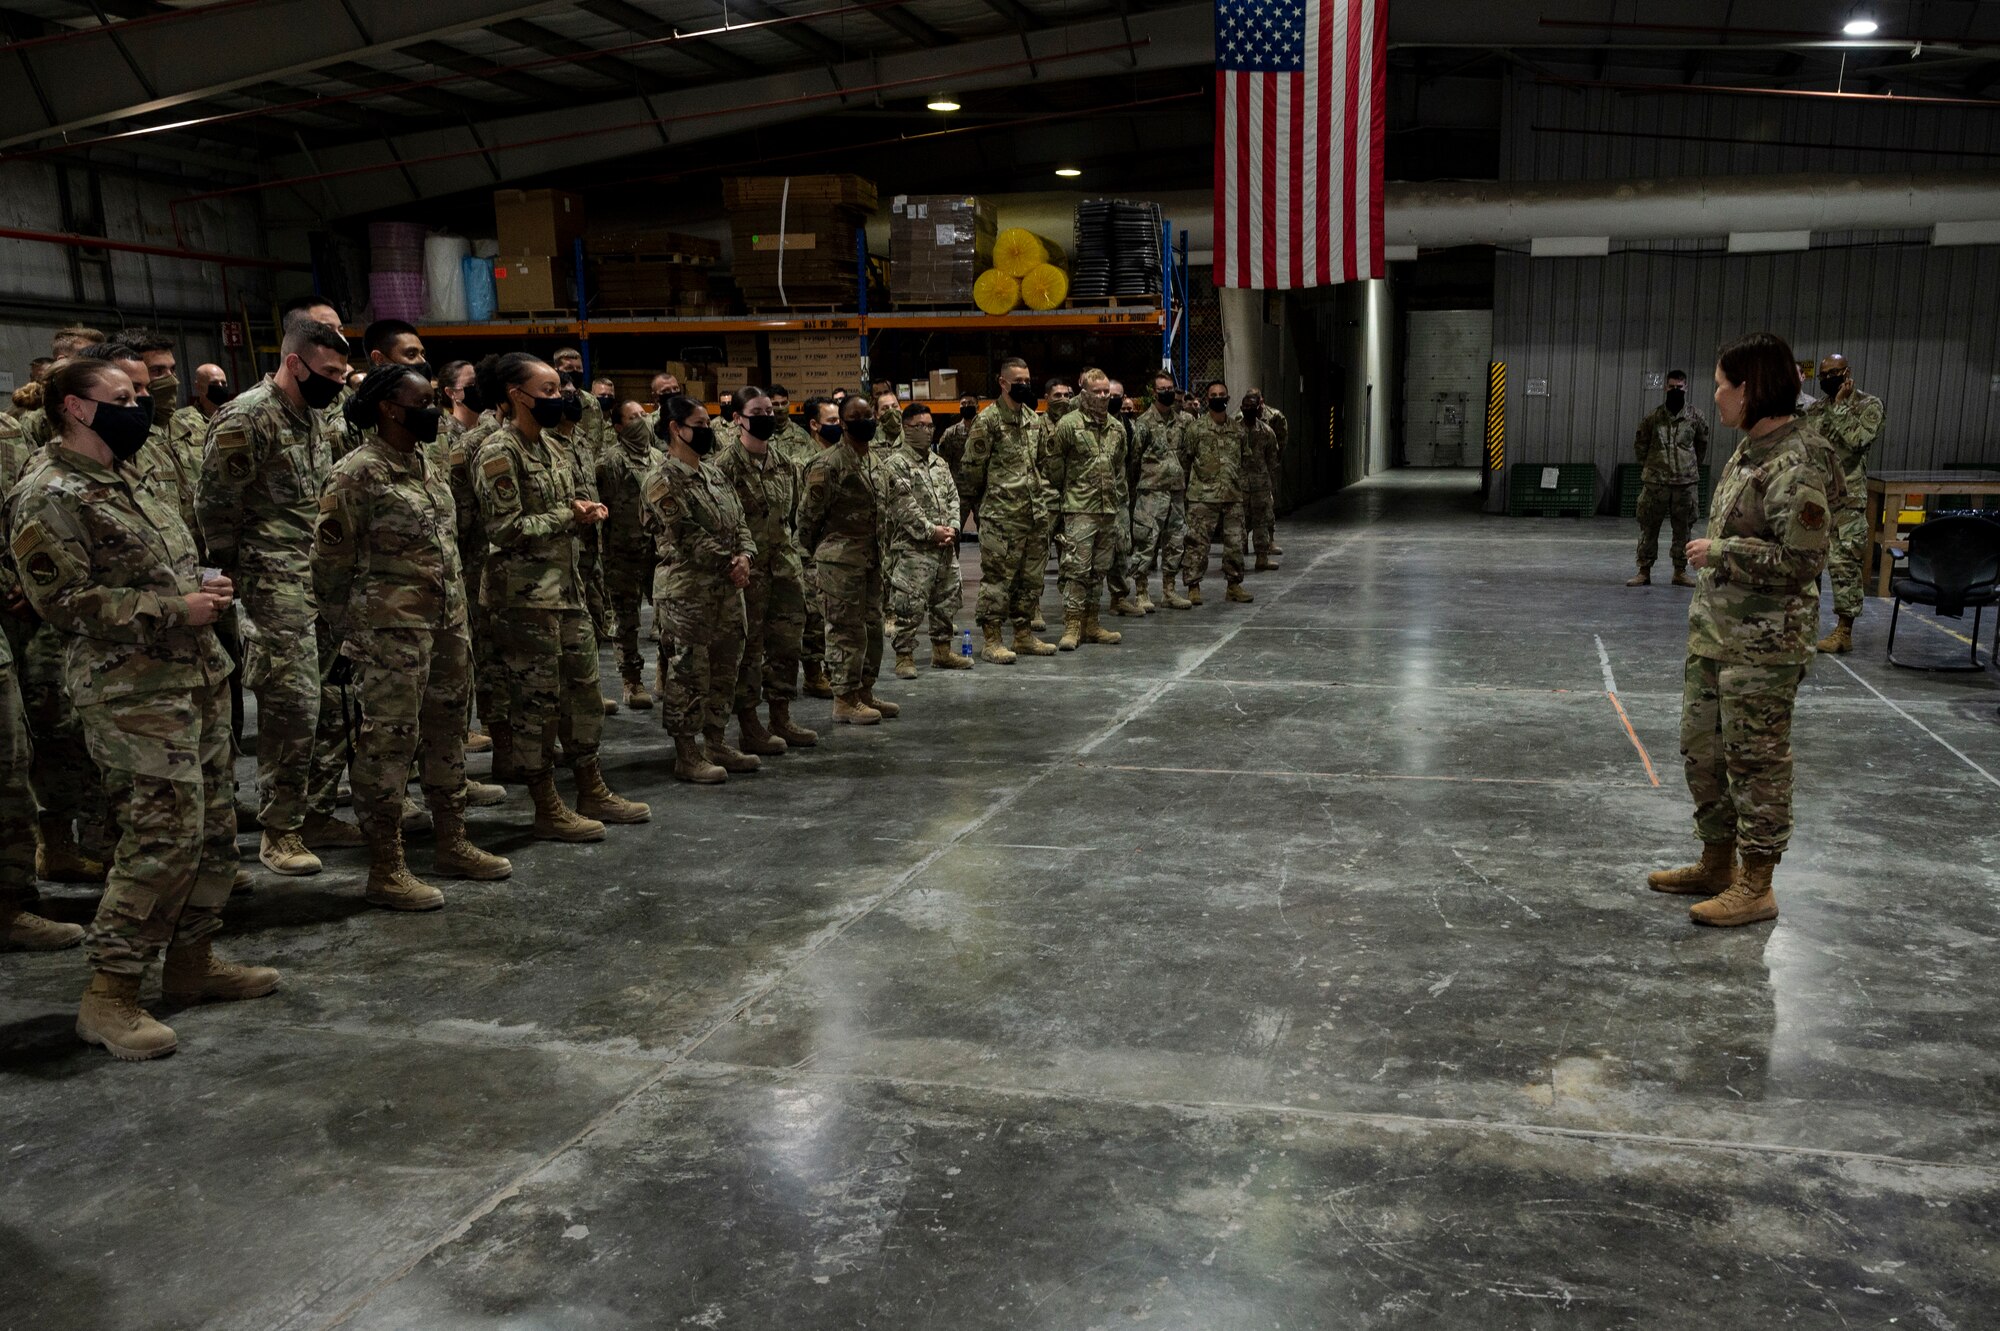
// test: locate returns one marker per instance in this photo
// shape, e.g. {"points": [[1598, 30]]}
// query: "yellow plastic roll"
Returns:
{"points": [[1018, 251], [1045, 288], [996, 292]]}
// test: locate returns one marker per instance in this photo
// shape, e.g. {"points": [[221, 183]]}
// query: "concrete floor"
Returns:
{"points": [[1287, 966]]}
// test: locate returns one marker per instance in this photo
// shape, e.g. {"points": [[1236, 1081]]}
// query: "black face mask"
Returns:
{"points": [[1023, 393], [1218, 404], [968, 414], [421, 368], [604, 402], [1676, 399], [318, 390], [761, 427], [1165, 401], [701, 438], [729, 411], [863, 431], [829, 434], [572, 408], [219, 394], [574, 378], [422, 423], [1829, 384], [547, 411], [1252, 408], [123, 429]]}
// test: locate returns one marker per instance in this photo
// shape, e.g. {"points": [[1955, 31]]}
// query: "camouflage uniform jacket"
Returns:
{"points": [[36, 428], [460, 455], [525, 487], [1215, 475], [1087, 463], [697, 522], [920, 495], [187, 429], [1757, 602], [1851, 427], [950, 445], [385, 550], [1669, 448], [262, 469], [768, 488], [111, 566], [840, 515], [795, 446], [1157, 446], [1004, 456], [622, 469], [1260, 444], [15, 456]]}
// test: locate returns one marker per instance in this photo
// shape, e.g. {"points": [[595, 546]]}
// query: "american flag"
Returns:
{"points": [[1298, 141]]}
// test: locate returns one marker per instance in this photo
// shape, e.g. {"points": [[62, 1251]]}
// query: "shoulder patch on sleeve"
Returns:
{"points": [[657, 489], [32, 536], [232, 436], [1812, 516], [496, 464], [329, 502]]}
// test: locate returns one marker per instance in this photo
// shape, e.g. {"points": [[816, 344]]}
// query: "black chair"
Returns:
{"points": [[1954, 563]]}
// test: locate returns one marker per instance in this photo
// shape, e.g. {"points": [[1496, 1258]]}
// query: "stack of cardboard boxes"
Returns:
{"points": [[814, 363], [538, 230], [938, 245], [650, 270], [812, 223]]}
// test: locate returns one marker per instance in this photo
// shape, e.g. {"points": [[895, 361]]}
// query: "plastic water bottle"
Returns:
{"points": [[965, 644]]}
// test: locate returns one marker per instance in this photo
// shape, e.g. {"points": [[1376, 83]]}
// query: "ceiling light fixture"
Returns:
{"points": [[1861, 27], [942, 103], [1068, 172]]}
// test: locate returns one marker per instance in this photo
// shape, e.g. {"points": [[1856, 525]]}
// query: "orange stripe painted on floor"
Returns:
{"points": [[1633, 735]]}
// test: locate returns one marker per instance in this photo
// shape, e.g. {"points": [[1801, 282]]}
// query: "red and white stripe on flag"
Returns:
{"points": [[1299, 113]]}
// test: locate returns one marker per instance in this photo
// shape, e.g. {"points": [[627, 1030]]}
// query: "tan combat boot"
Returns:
{"points": [[1681, 578], [817, 684], [1702, 879], [1027, 644], [797, 737], [1238, 592], [483, 794], [391, 885], [756, 739], [58, 859], [1144, 602], [505, 768], [284, 853], [944, 658], [194, 974], [1036, 625], [596, 800], [610, 706], [1173, 599], [889, 710], [475, 742], [1096, 632], [1841, 640], [556, 821], [636, 696], [733, 761], [1072, 633], [1125, 605], [1644, 578], [691, 764], [25, 931], [851, 711], [1193, 594], [454, 855], [995, 649], [1264, 564], [1747, 899], [323, 831], [906, 665], [110, 1015], [1276, 553]]}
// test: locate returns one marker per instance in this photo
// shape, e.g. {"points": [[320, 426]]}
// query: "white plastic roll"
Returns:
{"points": [[487, 248], [444, 278]]}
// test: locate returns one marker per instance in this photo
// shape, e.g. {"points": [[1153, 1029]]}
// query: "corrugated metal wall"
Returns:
{"points": [[1921, 325]]}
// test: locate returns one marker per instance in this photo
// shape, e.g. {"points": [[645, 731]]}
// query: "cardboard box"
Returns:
{"points": [[741, 348], [943, 384], [537, 221], [769, 191], [525, 282]]}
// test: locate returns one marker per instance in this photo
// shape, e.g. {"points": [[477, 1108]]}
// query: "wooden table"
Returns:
{"points": [[1887, 493]]}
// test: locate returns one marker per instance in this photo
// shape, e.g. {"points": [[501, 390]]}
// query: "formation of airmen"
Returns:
{"points": [[381, 555]]}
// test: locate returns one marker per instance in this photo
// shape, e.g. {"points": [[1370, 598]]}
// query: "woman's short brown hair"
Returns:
{"points": [[1761, 365]]}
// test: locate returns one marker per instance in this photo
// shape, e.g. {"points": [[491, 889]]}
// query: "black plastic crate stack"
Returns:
{"points": [[1630, 474], [1575, 493], [1117, 254]]}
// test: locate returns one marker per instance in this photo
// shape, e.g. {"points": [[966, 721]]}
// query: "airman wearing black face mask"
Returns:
{"points": [[1671, 445]]}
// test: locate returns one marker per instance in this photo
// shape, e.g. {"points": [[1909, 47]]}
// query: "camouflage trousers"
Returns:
{"points": [[166, 759], [408, 702], [596, 601], [851, 599], [1736, 742], [64, 780], [702, 631], [1260, 513], [1658, 503], [1203, 520], [1089, 548], [1159, 532], [548, 659], [1013, 559], [1119, 576], [299, 752], [926, 588], [628, 583], [489, 685], [774, 618], [17, 806], [812, 643], [1846, 556]]}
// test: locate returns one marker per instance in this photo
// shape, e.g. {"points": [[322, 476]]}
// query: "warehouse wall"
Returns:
{"points": [[1444, 387]]}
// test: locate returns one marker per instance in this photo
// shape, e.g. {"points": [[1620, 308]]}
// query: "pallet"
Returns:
{"points": [[532, 316]]}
